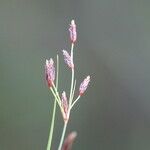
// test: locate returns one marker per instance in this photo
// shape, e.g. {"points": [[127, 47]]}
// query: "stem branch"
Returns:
{"points": [[75, 102], [63, 135], [72, 77], [54, 111]]}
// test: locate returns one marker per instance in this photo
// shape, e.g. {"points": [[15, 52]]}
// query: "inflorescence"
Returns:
{"points": [[65, 102]]}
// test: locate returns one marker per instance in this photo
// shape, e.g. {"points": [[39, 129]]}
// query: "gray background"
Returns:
{"points": [[113, 47]]}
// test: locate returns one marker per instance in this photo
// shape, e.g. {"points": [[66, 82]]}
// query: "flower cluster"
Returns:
{"points": [[84, 85], [68, 60], [49, 72], [65, 104], [73, 32]]}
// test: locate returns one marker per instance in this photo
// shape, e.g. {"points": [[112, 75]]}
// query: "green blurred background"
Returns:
{"points": [[113, 47]]}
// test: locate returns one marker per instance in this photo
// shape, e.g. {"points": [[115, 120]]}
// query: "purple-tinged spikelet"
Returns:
{"points": [[84, 85], [64, 104], [73, 32], [69, 141], [50, 72], [68, 59]]}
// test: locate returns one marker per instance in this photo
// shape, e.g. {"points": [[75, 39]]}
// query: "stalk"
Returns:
{"points": [[63, 135], [70, 101], [72, 77], [74, 102], [54, 112]]}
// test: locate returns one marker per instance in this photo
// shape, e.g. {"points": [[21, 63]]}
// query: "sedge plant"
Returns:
{"points": [[65, 102]]}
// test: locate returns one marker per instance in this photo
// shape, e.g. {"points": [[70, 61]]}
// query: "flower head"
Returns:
{"points": [[49, 72], [84, 85], [73, 32], [68, 59], [64, 104]]}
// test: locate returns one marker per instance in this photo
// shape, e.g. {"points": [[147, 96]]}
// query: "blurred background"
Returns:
{"points": [[113, 47]]}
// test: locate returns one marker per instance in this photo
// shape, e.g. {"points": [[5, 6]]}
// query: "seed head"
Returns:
{"points": [[64, 104], [84, 85], [68, 59], [73, 32], [49, 72]]}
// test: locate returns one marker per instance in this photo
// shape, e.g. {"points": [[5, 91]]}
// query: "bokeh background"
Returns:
{"points": [[113, 47]]}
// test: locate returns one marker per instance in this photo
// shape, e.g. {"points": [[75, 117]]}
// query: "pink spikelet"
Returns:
{"points": [[73, 32], [68, 59], [84, 85], [64, 103], [69, 141], [49, 72]]}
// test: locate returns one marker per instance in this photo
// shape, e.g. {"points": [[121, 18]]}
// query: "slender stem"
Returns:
{"points": [[56, 98], [70, 100], [57, 71], [75, 102], [74, 87], [72, 46], [56, 91], [52, 127], [62, 136], [54, 112], [72, 77]]}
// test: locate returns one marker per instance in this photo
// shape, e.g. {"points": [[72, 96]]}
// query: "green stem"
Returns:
{"points": [[72, 77], [62, 136], [54, 112], [74, 87], [56, 91], [74, 102], [55, 96], [52, 127], [70, 101]]}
